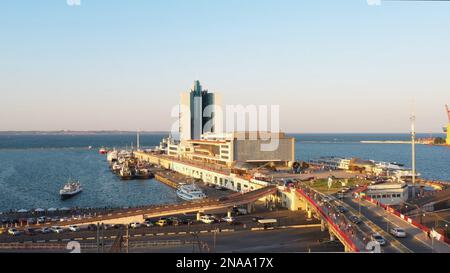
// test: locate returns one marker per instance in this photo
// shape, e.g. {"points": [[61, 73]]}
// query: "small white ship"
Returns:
{"points": [[190, 192], [70, 189]]}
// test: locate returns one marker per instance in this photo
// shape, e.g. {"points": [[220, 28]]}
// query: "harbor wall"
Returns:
{"points": [[215, 177]]}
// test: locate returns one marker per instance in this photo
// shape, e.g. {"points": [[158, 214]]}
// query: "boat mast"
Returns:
{"points": [[137, 140]]}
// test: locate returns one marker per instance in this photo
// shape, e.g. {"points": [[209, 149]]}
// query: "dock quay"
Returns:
{"points": [[165, 179]]}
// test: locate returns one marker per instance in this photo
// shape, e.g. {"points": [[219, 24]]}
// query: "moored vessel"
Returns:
{"points": [[70, 189], [190, 192]]}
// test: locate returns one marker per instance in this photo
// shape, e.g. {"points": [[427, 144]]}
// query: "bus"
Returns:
{"points": [[268, 223]]}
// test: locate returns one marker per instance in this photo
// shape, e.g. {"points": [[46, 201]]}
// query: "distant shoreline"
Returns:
{"points": [[106, 132], [397, 142]]}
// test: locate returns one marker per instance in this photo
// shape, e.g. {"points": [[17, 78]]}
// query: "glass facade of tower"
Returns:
{"points": [[197, 103]]}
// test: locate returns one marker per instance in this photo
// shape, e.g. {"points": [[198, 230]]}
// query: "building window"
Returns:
{"points": [[239, 186]]}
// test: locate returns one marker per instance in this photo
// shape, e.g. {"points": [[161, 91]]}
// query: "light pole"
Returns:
{"points": [[413, 153]]}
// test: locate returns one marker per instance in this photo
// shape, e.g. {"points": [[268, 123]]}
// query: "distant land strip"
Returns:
{"points": [[64, 132]]}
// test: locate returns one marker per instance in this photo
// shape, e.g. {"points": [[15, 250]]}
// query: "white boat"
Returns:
{"points": [[112, 156], [70, 189], [190, 192]]}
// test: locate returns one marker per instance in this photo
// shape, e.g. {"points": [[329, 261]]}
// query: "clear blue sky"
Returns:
{"points": [[332, 66]]}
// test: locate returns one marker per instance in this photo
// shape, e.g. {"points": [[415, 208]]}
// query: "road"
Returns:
{"points": [[245, 222], [416, 241]]}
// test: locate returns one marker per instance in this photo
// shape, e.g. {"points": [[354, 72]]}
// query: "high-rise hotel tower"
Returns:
{"points": [[199, 113]]}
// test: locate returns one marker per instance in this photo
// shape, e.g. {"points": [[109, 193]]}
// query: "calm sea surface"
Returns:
{"points": [[34, 167]]}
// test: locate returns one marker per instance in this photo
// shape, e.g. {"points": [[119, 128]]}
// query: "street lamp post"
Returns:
{"points": [[413, 153]]}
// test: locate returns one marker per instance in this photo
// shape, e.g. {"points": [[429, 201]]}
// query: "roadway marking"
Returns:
{"points": [[79, 239], [40, 241], [171, 233], [90, 238], [204, 231], [149, 234], [52, 241], [113, 237], [159, 234], [182, 232], [394, 242], [389, 220], [137, 235], [65, 240]]}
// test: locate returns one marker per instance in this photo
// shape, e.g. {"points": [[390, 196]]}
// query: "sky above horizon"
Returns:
{"points": [[331, 66]]}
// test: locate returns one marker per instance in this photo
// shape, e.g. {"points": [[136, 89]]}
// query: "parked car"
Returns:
{"points": [[117, 226], [148, 223], [229, 219], [257, 218], [377, 237], [162, 222], [174, 221], [45, 230], [207, 219], [92, 227], [57, 229], [135, 225], [13, 232], [74, 228], [398, 232], [186, 221], [29, 231]]}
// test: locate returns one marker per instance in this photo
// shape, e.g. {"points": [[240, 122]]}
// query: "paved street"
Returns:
{"points": [[416, 241]]}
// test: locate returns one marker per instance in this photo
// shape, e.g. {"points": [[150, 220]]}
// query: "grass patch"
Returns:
{"points": [[321, 185]]}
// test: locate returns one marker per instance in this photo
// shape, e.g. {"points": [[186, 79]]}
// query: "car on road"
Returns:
{"points": [[229, 219], [54, 219], [207, 219], [342, 209], [57, 229], [354, 219], [41, 220], [45, 230], [377, 237], [13, 232], [398, 232], [2, 230], [135, 225], [74, 228], [31, 221]]}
